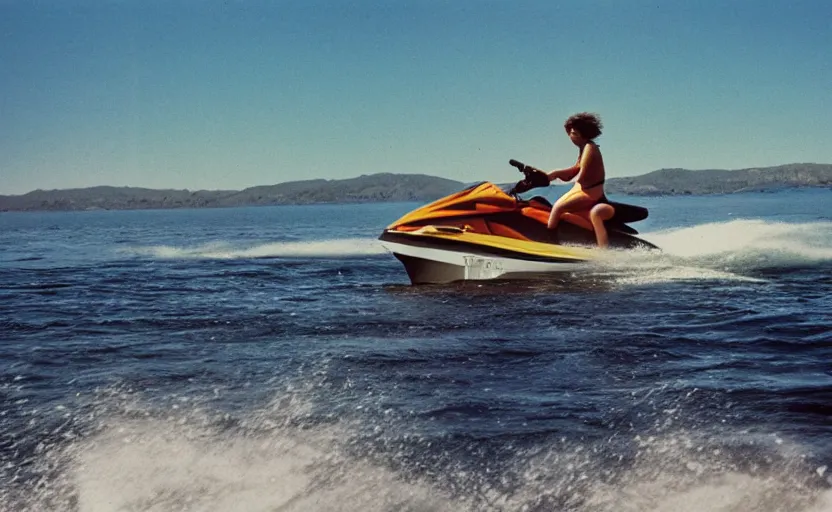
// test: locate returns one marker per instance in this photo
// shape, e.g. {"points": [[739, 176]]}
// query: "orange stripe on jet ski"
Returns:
{"points": [[485, 198]]}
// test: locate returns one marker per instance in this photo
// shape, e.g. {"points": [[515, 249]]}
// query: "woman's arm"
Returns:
{"points": [[584, 161], [564, 174]]}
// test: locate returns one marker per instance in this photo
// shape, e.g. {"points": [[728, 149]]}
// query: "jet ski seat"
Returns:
{"points": [[624, 213]]}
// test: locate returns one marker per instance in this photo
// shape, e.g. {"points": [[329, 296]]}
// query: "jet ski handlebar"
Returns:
{"points": [[534, 177], [520, 165]]}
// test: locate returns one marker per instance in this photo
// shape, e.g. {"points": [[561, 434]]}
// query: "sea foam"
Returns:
{"points": [[340, 247], [278, 457], [736, 250]]}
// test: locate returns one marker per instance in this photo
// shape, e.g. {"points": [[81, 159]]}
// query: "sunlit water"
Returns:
{"points": [[276, 358]]}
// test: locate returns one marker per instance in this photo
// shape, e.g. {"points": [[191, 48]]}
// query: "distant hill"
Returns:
{"points": [[387, 187], [110, 198], [383, 187], [683, 181], [372, 188]]}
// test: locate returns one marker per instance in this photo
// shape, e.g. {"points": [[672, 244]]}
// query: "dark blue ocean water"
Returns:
{"points": [[276, 358]]}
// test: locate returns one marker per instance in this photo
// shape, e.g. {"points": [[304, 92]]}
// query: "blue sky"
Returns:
{"points": [[203, 94]]}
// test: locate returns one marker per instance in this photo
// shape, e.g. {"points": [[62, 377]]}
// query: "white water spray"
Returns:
{"points": [[726, 251], [344, 247], [273, 460]]}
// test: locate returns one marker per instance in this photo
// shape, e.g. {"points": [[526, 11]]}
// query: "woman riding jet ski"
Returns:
{"points": [[587, 195], [483, 232]]}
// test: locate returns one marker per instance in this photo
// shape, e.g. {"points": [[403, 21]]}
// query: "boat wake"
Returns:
{"points": [[738, 250], [750, 241], [335, 248]]}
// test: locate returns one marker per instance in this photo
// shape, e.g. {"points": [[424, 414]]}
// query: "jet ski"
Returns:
{"points": [[485, 232]]}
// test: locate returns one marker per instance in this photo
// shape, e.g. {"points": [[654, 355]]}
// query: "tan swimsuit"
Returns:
{"points": [[590, 195]]}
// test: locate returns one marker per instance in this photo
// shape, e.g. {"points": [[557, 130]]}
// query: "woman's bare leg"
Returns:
{"points": [[598, 214], [568, 203]]}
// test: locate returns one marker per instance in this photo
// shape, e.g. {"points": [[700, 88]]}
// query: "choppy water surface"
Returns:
{"points": [[267, 359]]}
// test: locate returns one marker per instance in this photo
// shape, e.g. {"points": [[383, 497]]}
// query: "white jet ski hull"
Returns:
{"points": [[427, 265]]}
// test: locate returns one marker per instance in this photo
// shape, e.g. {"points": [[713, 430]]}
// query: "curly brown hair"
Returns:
{"points": [[588, 124]]}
